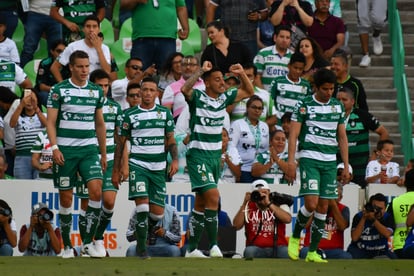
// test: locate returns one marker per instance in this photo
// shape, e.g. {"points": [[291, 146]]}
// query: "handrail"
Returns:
{"points": [[400, 81]]}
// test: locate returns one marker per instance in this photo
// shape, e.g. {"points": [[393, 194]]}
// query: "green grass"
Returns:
{"points": [[215, 267]]}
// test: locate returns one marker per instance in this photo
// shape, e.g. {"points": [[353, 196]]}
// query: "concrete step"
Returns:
{"points": [[382, 60], [377, 71], [381, 83], [356, 47], [402, 5], [376, 103], [351, 15]]}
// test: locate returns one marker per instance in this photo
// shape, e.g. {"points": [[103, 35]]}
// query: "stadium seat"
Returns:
{"points": [[18, 35], [31, 70], [194, 37], [41, 51], [121, 54], [184, 47], [108, 32], [126, 29]]}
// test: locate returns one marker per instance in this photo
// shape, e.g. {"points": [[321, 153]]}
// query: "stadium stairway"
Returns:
{"points": [[378, 78]]}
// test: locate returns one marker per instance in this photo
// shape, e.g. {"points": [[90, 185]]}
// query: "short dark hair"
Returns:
{"points": [[250, 65], [207, 74], [77, 54], [297, 57], [279, 28], [286, 117], [98, 74], [378, 197], [342, 54], [409, 180], [346, 90], [57, 42], [6, 95], [322, 76], [132, 85], [128, 62], [148, 79], [381, 143], [91, 17]]}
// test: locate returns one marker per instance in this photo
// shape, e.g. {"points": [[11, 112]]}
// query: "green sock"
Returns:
{"points": [[82, 226], [104, 219], [301, 221], [91, 217], [196, 227], [141, 231], [65, 222], [317, 229], [211, 225]]}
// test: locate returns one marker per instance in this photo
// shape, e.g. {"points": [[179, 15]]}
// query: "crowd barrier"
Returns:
{"points": [[21, 195]]}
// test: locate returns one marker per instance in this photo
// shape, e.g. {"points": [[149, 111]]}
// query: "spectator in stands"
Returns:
{"points": [[313, 55], [408, 250], [44, 78], [134, 73], [337, 220], [8, 49], [164, 237], [383, 170], [8, 104], [296, 14], [154, 29], [133, 94], [171, 70], [272, 164], [27, 120], [399, 211], [38, 22], [230, 169], [238, 110], [99, 54], [360, 122], [272, 61], [8, 11], [339, 65], [264, 31], [3, 167], [371, 15], [172, 97], [12, 75], [40, 237], [42, 156], [242, 17], [371, 229], [8, 230], [264, 223], [250, 136], [327, 30], [334, 7], [223, 52], [75, 13], [288, 90]]}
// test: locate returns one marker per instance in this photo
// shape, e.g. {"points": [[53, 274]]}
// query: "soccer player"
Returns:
{"points": [[150, 129], [318, 122], [208, 109], [112, 113], [74, 111]]}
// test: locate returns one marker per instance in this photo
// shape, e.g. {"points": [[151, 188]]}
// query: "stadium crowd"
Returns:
{"points": [[273, 84]]}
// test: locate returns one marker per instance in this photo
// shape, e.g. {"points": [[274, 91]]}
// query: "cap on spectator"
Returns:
{"points": [[342, 166], [37, 207], [228, 76], [259, 184]]}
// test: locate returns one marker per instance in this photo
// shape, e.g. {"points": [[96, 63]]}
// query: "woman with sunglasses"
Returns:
{"points": [[250, 136]]}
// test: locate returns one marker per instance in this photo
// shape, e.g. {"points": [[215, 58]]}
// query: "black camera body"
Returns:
{"points": [[274, 197], [46, 216], [5, 212], [372, 208]]}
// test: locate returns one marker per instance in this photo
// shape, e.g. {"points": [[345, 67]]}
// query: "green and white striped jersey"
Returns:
{"points": [[75, 125], [206, 122], [271, 65], [287, 93], [147, 131], [318, 135], [112, 113], [274, 175]]}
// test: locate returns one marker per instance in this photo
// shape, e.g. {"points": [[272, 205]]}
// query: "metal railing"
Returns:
{"points": [[400, 81]]}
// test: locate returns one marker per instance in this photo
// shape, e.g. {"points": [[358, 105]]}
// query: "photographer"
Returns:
{"points": [[40, 237], [8, 236], [164, 237], [371, 229], [264, 219]]}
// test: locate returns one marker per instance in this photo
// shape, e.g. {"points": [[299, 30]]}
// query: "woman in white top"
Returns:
{"points": [[250, 136]]}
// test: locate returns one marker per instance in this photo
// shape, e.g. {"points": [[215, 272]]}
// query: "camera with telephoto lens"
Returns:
{"points": [[5, 212], [372, 208], [275, 197], [46, 216]]}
